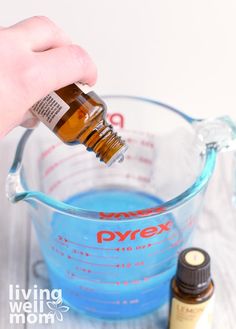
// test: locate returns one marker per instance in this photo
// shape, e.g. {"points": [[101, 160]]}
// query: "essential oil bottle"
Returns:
{"points": [[192, 291], [77, 117]]}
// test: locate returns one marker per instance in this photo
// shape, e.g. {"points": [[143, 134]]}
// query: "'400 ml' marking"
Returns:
{"points": [[147, 232]]}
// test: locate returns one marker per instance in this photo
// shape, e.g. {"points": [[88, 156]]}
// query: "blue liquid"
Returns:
{"points": [[112, 279], [113, 200]]}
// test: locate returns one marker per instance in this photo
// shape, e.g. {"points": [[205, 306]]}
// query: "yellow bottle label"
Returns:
{"points": [[191, 316]]}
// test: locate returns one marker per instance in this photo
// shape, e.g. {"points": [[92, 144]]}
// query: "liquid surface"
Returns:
{"points": [[113, 200]]}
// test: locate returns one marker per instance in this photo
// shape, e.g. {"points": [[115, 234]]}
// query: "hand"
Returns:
{"points": [[36, 57]]}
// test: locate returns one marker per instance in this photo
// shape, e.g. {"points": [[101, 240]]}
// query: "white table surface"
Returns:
{"points": [[21, 261]]}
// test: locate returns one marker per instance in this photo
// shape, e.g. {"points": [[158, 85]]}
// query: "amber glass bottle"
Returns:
{"points": [[192, 291], [77, 117]]}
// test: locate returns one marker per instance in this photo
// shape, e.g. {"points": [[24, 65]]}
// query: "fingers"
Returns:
{"points": [[56, 68], [40, 33]]}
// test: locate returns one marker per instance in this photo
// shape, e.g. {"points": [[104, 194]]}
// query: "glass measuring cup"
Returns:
{"points": [[111, 236]]}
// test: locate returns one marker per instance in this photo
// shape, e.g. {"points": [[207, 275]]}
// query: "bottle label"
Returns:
{"points": [[50, 109], [191, 316], [85, 88]]}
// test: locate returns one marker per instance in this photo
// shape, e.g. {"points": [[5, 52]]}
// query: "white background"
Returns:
{"points": [[182, 52]]}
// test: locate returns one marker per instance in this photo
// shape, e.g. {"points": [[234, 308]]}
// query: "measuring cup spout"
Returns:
{"points": [[14, 189], [218, 133]]}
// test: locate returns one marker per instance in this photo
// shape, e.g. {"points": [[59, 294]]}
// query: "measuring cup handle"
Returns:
{"points": [[218, 133]]}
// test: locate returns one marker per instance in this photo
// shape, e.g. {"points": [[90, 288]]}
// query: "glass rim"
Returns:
{"points": [[17, 187]]}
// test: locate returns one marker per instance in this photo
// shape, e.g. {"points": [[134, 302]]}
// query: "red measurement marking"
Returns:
{"points": [[131, 140], [189, 224], [117, 283], [86, 270], [147, 143], [54, 186], [128, 265], [58, 251], [74, 275], [45, 153], [125, 249], [141, 247], [53, 166], [143, 142], [143, 179], [61, 253], [83, 253], [62, 243], [145, 161], [60, 238], [91, 263], [89, 271], [124, 265]]}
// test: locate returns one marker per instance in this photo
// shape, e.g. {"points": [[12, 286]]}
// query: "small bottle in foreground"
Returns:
{"points": [[77, 117], [192, 291]]}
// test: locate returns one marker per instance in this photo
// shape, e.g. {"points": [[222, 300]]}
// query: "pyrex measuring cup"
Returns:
{"points": [[110, 236]]}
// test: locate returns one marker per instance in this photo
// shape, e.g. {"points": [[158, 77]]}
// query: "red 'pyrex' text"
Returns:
{"points": [[148, 232]]}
